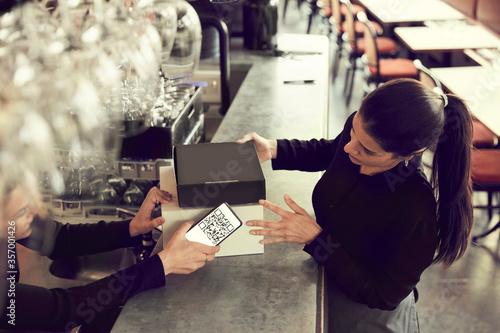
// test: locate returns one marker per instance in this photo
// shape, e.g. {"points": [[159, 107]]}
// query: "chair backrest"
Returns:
{"points": [[370, 37], [349, 19], [337, 16], [426, 77]]}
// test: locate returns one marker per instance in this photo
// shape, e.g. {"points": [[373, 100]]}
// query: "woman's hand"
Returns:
{"points": [[142, 222], [266, 149], [297, 227], [181, 256]]}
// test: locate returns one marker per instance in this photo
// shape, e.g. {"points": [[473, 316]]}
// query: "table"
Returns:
{"points": [[393, 12], [282, 289], [479, 86], [445, 38]]}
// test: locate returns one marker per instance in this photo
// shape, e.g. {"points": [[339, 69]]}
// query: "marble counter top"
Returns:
{"points": [[280, 290]]}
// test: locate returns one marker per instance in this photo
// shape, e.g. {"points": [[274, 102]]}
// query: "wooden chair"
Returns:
{"points": [[379, 70], [356, 46], [325, 9], [426, 77], [339, 26], [483, 137], [485, 175]]}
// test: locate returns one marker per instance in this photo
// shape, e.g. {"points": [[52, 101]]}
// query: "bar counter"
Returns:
{"points": [[280, 290]]}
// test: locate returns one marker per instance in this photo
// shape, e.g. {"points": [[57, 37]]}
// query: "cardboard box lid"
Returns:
{"points": [[217, 162]]}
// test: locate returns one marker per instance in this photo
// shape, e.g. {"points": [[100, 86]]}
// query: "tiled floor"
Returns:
{"points": [[463, 298]]}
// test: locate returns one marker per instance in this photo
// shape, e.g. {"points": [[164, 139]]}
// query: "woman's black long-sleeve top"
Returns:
{"points": [[379, 232], [62, 309]]}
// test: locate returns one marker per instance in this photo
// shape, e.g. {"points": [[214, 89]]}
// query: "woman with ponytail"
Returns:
{"points": [[379, 222]]}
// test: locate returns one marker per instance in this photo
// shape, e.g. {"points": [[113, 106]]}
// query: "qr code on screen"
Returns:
{"points": [[216, 226]]}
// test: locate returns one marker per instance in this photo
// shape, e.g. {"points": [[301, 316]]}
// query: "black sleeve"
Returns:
{"points": [[312, 155], [63, 309], [57, 240], [413, 245]]}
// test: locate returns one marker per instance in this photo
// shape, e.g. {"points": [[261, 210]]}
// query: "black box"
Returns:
{"points": [[208, 174]]}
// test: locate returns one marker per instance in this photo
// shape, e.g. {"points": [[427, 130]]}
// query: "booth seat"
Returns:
{"points": [[488, 13], [466, 7], [484, 12]]}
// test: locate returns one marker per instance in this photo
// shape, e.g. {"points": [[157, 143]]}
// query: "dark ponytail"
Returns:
{"points": [[452, 182], [404, 116]]}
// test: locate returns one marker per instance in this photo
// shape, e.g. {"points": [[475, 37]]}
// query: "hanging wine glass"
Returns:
{"points": [[134, 45], [185, 55], [163, 16]]}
